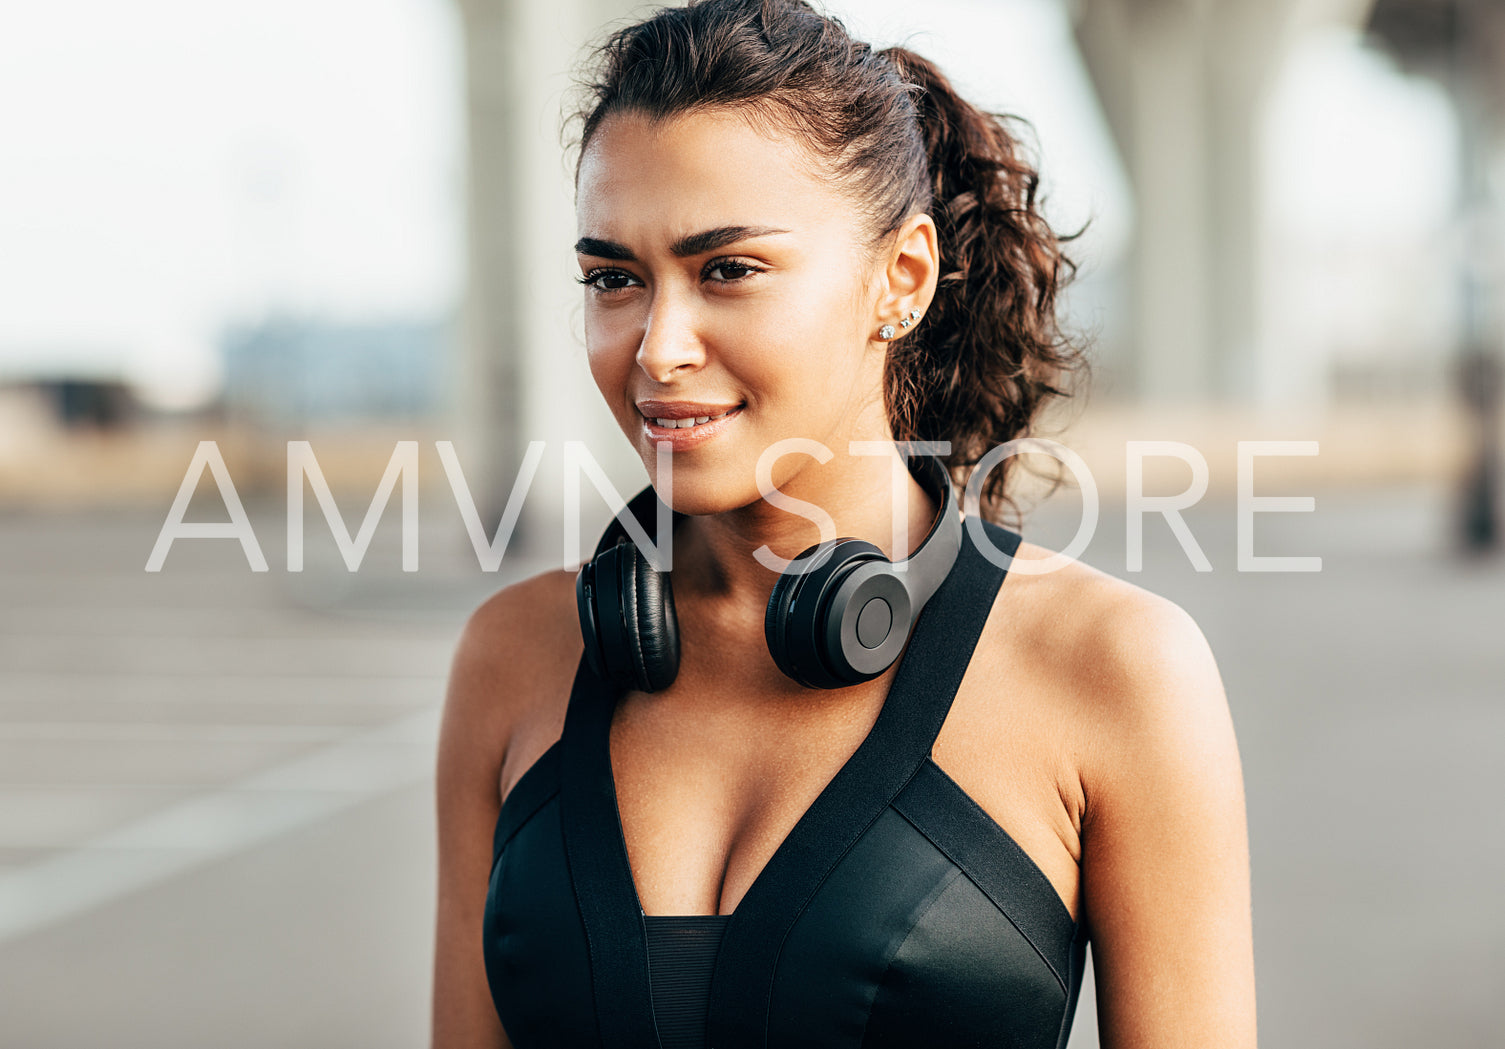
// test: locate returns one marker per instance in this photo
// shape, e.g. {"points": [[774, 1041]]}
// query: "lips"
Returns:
{"points": [[684, 409], [685, 424]]}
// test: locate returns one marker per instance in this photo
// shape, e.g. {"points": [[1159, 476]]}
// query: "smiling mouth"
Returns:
{"points": [[689, 421], [690, 431]]}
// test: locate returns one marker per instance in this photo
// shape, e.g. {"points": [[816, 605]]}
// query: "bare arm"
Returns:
{"points": [[1165, 855], [472, 739]]}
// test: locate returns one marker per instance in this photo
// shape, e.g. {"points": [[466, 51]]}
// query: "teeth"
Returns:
{"points": [[698, 420]]}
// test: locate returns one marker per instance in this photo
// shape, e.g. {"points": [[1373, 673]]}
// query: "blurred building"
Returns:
{"points": [[73, 401], [287, 373]]}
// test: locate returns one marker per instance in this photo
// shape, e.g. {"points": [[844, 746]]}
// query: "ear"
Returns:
{"points": [[907, 279]]}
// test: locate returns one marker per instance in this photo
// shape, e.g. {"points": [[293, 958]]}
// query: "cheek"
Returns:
{"points": [[610, 356], [815, 316], [815, 346], [611, 363]]}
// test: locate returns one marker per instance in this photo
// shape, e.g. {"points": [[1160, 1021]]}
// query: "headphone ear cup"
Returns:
{"points": [[588, 606], [602, 618], [627, 619], [652, 627], [776, 617], [800, 621]]}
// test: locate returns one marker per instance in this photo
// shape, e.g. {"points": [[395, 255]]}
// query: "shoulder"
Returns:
{"points": [[510, 676], [1130, 669], [1164, 853], [1109, 632], [515, 620]]}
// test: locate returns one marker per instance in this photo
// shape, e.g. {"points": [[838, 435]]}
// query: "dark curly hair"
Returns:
{"points": [[990, 353]]}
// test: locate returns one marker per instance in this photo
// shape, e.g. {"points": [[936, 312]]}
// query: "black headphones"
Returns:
{"points": [[842, 620]]}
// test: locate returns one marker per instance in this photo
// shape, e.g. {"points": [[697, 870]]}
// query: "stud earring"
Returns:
{"points": [[906, 322], [886, 332], [914, 314]]}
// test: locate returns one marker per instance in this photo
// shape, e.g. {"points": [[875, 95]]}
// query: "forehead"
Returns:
{"points": [[646, 178]]}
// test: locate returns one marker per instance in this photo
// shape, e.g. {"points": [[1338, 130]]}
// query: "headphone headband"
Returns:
{"points": [[926, 569]]}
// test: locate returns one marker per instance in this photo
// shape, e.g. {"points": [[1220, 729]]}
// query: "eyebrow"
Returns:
{"points": [[684, 247]]}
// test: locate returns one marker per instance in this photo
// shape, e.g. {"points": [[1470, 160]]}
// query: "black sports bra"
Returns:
{"points": [[896, 912]]}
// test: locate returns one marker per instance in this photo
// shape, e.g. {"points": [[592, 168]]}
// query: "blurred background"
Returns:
{"points": [[349, 224]]}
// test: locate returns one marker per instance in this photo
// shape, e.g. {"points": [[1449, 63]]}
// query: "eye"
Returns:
{"points": [[731, 270], [606, 281]]}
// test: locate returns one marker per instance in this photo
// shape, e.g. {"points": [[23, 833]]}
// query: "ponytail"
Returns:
{"points": [[988, 355]]}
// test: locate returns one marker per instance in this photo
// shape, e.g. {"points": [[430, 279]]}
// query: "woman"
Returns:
{"points": [[787, 235]]}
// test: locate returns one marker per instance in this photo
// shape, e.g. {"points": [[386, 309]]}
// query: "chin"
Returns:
{"points": [[703, 488]]}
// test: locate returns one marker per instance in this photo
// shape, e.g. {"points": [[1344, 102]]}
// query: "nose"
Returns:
{"points": [[671, 343]]}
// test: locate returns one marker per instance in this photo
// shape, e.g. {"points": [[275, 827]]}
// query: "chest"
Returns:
{"points": [[708, 791], [896, 912]]}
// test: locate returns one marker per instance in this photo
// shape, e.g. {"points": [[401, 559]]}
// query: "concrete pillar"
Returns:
{"points": [[524, 375], [1462, 44], [492, 376], [1182, 82]]}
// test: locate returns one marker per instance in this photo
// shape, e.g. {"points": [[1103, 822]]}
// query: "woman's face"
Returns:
{"points": [[722, 276]]}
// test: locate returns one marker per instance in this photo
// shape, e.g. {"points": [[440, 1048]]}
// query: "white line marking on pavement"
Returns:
{"points": [[218, 823]]}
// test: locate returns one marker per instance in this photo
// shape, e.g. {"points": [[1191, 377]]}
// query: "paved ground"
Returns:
{"points": [[216, 819]]}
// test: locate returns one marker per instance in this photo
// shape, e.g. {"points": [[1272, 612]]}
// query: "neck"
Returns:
{"points": [[870, 497]]}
